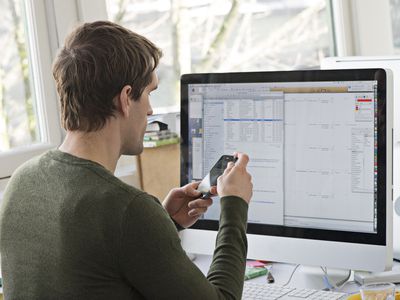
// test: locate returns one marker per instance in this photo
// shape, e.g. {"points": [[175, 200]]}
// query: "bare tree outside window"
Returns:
{"points": [[18, 121], [227, 35]]}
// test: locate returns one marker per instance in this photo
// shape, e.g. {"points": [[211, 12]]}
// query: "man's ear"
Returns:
{"points": [[123, 101]]}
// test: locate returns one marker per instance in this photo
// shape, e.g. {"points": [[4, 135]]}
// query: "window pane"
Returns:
{"points": [[395, 14], [227, 35], [18, 119]]}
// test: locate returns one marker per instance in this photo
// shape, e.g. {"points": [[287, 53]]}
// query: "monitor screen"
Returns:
{"points": [[316, 142]]}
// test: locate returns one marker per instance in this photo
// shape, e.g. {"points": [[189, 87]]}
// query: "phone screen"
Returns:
{"points": [[219, 168], [216, 171]]}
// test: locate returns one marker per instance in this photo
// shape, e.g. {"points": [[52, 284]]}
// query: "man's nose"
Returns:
{"points": [[150, 111]]}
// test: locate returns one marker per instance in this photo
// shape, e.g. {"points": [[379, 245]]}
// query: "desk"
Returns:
{"points": [[304, 277]]}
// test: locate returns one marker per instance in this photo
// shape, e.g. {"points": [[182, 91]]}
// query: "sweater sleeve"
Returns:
{"points": [[177, 226], [155, 265]]}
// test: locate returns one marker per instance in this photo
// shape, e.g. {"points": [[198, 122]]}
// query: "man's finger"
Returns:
{"points": [[197, 212], [213, 190], [203, 203], [191, 189], [242, 161], [229, 167], [193, 184]]}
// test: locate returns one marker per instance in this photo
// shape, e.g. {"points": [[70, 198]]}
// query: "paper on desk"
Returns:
{"points": [[255, 263]]}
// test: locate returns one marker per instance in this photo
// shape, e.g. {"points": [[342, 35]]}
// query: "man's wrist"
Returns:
{"points": [[178, 226]]}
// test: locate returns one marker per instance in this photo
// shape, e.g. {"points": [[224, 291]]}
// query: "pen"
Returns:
{"points": [[270, 278]]}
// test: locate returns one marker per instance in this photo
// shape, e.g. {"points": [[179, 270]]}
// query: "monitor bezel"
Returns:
{"points": [[378, 238]]}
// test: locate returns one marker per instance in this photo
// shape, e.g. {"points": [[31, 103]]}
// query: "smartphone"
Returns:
{"points": [[216, 171]]}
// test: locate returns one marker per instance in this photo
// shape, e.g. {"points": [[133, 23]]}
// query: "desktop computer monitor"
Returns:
{"points": [[319, 143]]}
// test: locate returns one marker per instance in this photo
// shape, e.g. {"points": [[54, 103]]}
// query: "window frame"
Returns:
{"points": [[40, 53], [356, 37]]}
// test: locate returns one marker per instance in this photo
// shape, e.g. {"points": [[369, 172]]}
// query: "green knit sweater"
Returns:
{"points": [[70, 229]]}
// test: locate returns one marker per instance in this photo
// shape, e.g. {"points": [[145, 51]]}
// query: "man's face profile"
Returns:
{"points": [[137, 120]]}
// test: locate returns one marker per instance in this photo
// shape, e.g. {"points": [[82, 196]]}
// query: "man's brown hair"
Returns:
{"points": [[96, 62]]}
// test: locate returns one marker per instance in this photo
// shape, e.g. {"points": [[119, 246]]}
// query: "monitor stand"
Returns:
{"points": [[396, 229], [386, 276]]}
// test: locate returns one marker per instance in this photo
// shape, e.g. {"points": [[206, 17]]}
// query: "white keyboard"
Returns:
{"points": [[272, 291]]}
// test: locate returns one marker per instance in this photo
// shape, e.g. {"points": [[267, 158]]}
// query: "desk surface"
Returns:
{"points": [[304, 277]]}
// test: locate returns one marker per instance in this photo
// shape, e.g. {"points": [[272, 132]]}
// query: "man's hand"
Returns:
{"points": [[184, 206], [236, 181]]}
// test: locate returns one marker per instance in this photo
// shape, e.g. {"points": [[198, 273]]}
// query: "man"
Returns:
{"points": [[71, 230]]}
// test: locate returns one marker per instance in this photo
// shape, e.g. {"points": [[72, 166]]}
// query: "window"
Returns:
{"points": [[18, 117], [227, 35], [28, 107], [395, 14]]}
